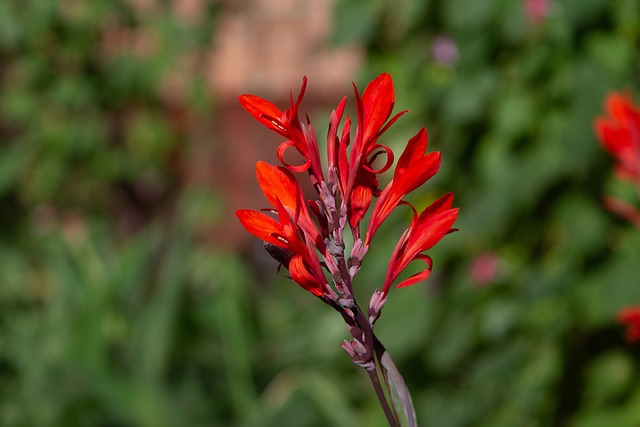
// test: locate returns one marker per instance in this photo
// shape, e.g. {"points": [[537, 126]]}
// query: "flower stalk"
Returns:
{"points": [[307, 237]]}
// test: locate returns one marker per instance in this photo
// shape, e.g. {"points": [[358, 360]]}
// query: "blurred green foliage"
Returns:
{"points": [[512, 112], [105, 323]]}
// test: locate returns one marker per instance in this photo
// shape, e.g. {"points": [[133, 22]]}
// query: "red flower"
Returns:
{"points": [[287, 124], [373, 110], [308, 240], [619, 133], [414, 169], [424, 232], [294, 231], [630, 317]]}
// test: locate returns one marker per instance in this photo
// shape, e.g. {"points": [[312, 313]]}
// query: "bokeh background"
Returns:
{"points": [[129, 295]]}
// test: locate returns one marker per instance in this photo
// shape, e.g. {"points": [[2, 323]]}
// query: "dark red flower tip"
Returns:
{"points": [[630, 316]]}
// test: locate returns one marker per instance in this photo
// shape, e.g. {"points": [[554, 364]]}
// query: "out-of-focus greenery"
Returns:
{"points": [[114, 313], [512, 114]]}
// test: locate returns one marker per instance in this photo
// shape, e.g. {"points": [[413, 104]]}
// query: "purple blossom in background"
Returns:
{"points": [[444, 51]]}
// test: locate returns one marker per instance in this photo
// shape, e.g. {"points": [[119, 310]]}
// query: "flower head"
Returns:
{"points": [[307, 237], [424, 232], [294, 233]]}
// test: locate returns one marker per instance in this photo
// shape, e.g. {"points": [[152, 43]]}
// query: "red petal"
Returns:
{"points": [[429, 229], [332, 133], [264, 111], [418, 277], [378, 99], [618, 106], [359, 203], [294, 168], [415, 167], [260, 225], [277, 183], [302, 277]]}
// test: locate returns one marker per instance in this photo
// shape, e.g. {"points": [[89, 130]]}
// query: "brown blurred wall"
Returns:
{"points": [[264, 47]]}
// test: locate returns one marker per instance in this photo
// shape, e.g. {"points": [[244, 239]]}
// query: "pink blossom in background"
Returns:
{"points": [[444, 51], [484, 268], [536, 10]]}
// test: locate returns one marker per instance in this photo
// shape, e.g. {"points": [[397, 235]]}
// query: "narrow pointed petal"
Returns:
{"points": [[262, 226], [378, 99], [264, 111], [415, 167], [359, 204], [332, 133], [429, 230], [277, 183]]}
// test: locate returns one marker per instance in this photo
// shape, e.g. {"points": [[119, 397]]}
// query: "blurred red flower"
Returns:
{"points": [[630, 316], [619, 133]]}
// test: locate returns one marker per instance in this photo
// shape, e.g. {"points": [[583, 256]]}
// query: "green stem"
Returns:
{"points": [[373, 375]]}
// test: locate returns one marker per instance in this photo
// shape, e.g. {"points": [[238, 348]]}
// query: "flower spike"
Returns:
{"points": [[307, 237]]}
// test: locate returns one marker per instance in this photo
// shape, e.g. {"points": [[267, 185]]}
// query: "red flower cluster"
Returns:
{"points": [[308, 237]]}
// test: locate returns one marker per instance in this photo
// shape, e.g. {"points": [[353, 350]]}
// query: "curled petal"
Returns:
{"points": [[418, 277], [294, 168], [386, 150]]}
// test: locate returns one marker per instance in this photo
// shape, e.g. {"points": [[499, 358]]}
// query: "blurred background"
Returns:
{"points": [[130, 296]]}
